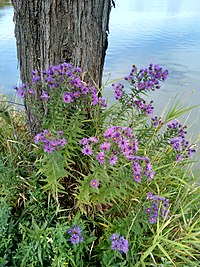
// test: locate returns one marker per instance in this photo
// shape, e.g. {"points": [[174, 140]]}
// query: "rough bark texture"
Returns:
{"points": [[49, 32]]}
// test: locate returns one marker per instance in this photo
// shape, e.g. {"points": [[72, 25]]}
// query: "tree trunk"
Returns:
{"points": [[50, 32]]}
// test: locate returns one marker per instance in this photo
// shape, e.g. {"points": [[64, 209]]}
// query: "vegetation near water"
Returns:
{"points": [[97, 186]]}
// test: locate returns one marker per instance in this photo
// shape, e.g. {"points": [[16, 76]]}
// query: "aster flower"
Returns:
{"points": [[94, 183], [137, 177], [115, 245], [105, 146], [76, 94], [21, 92], [31, 91], [114, 237], [83, 141], [101, 157], [179, 158], [87, 150], [148, 210], [77, 230], [76, 235], [123, 245], [48, 148], [113, 160], [67, 97], [93, 140], [152, 219], [75, 239]]}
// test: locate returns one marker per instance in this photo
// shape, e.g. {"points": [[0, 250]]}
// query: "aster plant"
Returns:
{"points": [[98, 185]]}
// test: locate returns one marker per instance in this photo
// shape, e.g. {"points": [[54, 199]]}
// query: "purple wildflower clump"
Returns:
{"points": [[68, 80], [50, 140], [119, 243], [157, 203], [142, 81], [179, 142], [147, 79], [118, 143], [76, 235], [142, 167]]}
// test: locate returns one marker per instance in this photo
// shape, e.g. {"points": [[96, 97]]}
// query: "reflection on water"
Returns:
{"points": [[9, 74]]}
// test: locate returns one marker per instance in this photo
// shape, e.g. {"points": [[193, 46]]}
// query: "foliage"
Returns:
{"points": [[97, 186]]}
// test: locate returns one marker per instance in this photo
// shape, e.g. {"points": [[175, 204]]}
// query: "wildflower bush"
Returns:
{"points": [[98, 185]]}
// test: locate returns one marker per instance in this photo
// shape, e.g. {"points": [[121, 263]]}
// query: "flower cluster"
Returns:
{"points": [[157, 203], [76, 235], [69, 79], [118, 87], [147, 78], [119, 141], [142, 81], [119, 243], [143, 106], [179, 142], [50, 140]]}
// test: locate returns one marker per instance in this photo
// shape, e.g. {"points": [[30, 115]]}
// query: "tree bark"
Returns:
{"points": [[50, 32]]}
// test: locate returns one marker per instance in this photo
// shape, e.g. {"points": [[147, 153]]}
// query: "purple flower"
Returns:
{"points": [[87, 150], [62, 142], [123, 245], [136, 167], [123, 143], [95, 99], [118, 94], [152, 219], [100, 157], [105, 146], [48, 148], [76, 94], [150, 196], [150, 175], [31, 91], [77, 230], [94, 183], [75, 239], [115, 245], [179, 158], [141, 85], [176, 143], [113, 160], [114, 237], [21, 92], [76, 236], [102, 101], [137, 177], [83, 141], [93, 140], [148, 210], [38, 138], [67, 97], [35, 78], [156, 121]]}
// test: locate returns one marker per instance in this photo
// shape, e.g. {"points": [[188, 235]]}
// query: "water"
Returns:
{"points": [[141, 32], [9, 73]]}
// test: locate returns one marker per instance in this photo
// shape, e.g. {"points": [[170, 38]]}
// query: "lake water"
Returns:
{"points": [[166, 32]]}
